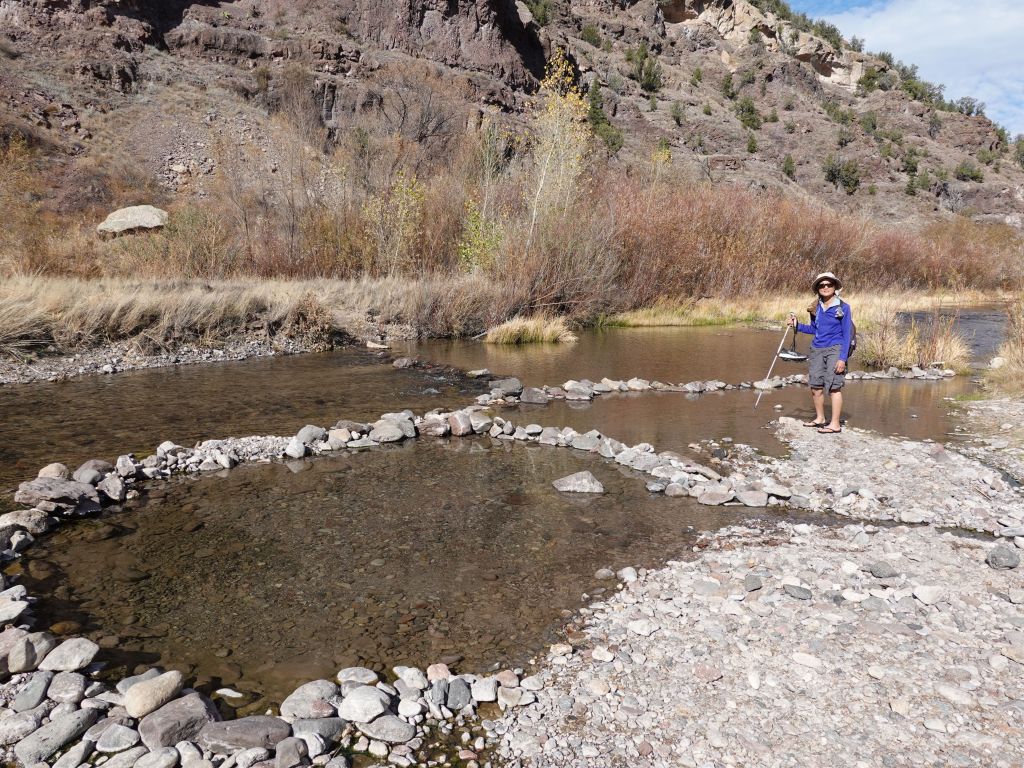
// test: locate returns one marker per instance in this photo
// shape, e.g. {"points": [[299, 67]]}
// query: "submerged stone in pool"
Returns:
{"points": [[278, 574]]}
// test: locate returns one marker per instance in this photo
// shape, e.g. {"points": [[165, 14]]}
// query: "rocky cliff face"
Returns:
{"points": [[153, 78]]}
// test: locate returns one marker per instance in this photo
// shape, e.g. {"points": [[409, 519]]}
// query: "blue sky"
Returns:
{"points": [[975, 48]]}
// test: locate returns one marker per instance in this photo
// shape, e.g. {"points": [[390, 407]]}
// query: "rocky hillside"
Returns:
{"points": [[737, 94]]}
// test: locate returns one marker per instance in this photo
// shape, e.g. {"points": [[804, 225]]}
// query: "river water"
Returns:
{"points": [[270, 575], [104, 416]]}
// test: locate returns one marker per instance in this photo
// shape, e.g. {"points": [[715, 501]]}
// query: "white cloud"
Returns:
{"points": [[975, 48]]}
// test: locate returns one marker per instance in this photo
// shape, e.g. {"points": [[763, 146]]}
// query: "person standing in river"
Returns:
{"points": [[832, 328]]}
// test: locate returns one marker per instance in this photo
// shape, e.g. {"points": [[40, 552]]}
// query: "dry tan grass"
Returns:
{"points": [[22, 326], [1009, 377], [75, 313], [888, 341], [868, 308], [531, 330]]}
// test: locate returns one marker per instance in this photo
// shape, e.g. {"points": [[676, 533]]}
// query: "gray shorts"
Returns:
{"points": [[823, 369]]}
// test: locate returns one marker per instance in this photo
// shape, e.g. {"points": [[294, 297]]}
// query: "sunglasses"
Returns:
{"points": [[825, 284]]}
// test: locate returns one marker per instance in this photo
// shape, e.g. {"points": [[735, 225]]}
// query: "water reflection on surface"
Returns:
{"points": [[395, 555], [671, 420], [667, 354], [105, 416]]}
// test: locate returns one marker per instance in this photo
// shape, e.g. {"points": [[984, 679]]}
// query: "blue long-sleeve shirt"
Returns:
{"points": [[829, 330]]}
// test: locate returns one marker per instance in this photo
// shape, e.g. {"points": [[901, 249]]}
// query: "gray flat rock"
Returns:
{"points": [[291, 753], [257, 731], [388, 728], [76, 755], [11, 610], [715, 498], [360, 675], [149, 695], [55, 490], [51, 737], [310, 700], [883, 570], [328, 728], [134, 218], [579, 482], [165, 757], [33, 694], [67, 687], [117, 738], [534, 396], [363, 704], [387, 432], [70, 655], [752, 498], [181, 720], [510, 386], [1002, 558], [28, 650], [795, 590], [310, 434], [14, 728], [127, 759]]}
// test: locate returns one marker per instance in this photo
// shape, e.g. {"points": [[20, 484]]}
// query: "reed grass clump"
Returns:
{"points": [[531, 330], [892, 341], [1009, 376], [22, 326]]}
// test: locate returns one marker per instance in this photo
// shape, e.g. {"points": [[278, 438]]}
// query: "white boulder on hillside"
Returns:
{"points": [[132, 219]]}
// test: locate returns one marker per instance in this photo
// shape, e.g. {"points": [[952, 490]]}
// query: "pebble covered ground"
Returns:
{"points": [[125, 356], [794, 646], [865, 475], [993, 432]]}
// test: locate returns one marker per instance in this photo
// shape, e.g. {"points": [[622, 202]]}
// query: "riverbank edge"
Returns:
{"points": [[773, 634], [238, 321]]}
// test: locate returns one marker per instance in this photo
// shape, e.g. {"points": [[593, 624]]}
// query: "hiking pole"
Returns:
{"points": [[772, 366]]}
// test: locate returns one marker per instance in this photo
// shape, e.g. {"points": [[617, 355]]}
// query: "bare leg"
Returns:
{"points": [[837, 410], [818, 396]]}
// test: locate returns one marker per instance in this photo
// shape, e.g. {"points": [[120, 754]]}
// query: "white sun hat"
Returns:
{"points": [[826, 276]]}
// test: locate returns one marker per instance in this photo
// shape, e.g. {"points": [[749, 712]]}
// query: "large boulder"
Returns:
{"points": [[181, 720], [134, 218]]}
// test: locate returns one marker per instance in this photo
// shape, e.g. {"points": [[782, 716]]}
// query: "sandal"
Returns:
{"points": [[815, 424], [829, 431]]}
